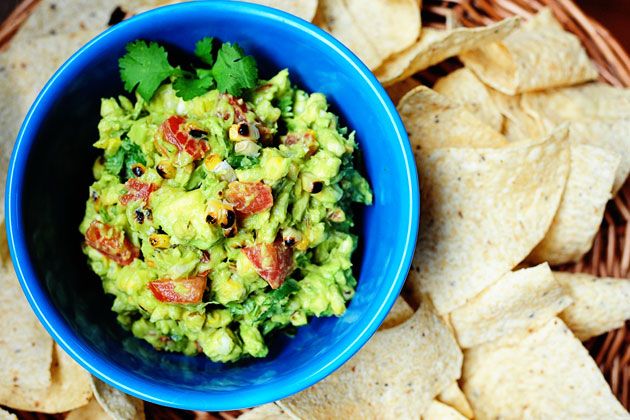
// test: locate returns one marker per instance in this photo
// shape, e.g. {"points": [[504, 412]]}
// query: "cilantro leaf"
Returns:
{"points": [[233, 70], [114, 163], [189, 86], [128, 154], [203, 50], [144, 66]]}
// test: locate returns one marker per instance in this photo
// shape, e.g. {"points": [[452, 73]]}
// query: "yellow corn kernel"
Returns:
{"points": [[211, 161], [166, 169], [159, 240]]}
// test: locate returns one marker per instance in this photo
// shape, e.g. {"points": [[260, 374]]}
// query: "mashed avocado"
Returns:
{"points": [[217, 220]]}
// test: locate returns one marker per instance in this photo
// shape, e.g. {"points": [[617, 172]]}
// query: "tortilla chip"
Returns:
{"points": [[400, 312], [90, 411], [116, 403], [334, 17], [438, 45], [543, 374], [483, 211], [5, 415], [439, 411], [25, 348], [598, 115], [269, 411], [454, 397], [463, 87], [540, 55], [518, 125], [599, 304], [520, 300], [24, 69], [380, 383], [390, 26], [435, 121], [399, 89], [589, 187]]}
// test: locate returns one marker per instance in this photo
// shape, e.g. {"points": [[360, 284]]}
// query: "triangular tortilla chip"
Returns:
{"points": [[439, 411], [589, 187], [400, 312], [546, 374], [385, 384], [437, 45], [389, 25], [269, 411], [90, 411], [435, 121], [463, 87], [334, 17], [25, 348], [597, 114], [454, 397], [539, 55], [483, 211], [519, 300], [599, 304], [116, 403]]}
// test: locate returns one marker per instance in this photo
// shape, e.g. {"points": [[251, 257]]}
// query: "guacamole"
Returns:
{"points": [[217, 220]]}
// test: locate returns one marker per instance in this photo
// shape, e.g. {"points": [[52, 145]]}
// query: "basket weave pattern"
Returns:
{"points": [[610, 255]]}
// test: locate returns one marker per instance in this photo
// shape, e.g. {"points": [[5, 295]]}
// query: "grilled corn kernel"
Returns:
{"points": [[246, 148], [166, 169], [243, 131], [302, 245], [211, 161], [291, 236], [220, 213], [159, 240], [138, 169]]}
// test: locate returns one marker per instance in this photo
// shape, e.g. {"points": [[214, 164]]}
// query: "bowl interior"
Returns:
{"points": [[49, 186]]}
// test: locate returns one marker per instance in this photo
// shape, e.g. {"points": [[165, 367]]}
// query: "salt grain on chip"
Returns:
{"points": [[518, 301], [589, 187], [539, 55], [599, 304], [483, 211], [437, 45], [379, 383], [543, 374]]}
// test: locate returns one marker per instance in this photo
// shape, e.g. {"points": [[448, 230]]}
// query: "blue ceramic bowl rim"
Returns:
{"points": [[52, 320]]}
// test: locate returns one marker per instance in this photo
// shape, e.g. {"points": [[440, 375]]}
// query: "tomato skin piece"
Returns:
{"points": [[137, 190], [273, 262], [110, 242], [188, 290], [249, 197], [174, 134]]}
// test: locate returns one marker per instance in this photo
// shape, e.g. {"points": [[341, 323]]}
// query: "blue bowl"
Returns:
{"points": [[50, 172]]}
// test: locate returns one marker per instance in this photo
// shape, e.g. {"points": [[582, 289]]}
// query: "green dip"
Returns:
{"points": [[218, 220]]}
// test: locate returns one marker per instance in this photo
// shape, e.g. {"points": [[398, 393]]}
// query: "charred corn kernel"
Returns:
{"points": [[291, 236], [138, 169], [166, 169], [211, 161], [243, 131], [159, 240], [302, 245], [246, 148], [220, 213], [231, 231]]}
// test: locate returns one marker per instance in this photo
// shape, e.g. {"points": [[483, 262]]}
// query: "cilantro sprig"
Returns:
{"points": [[145, 66]]}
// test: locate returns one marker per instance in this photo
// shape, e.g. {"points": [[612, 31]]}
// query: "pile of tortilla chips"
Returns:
{"points": [[518, 153]]}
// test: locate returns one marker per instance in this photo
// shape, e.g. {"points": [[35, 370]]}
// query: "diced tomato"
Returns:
{"points": [[188, 290], [137, 190], [273, 262], [111, 242], [249, 197], [175, 134]]}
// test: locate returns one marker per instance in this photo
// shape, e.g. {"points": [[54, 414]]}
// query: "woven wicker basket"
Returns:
{"points": [[610, 255]]}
